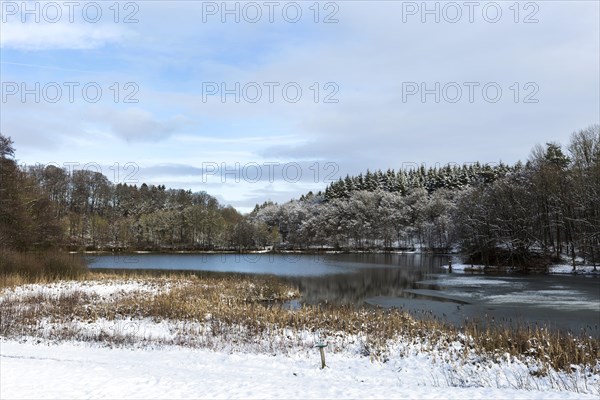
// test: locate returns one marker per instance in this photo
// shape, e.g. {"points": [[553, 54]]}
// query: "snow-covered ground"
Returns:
{"points": [[458, 267], [149, 365], [71, 370], [103, 290], [568, 269], [554, 269]]}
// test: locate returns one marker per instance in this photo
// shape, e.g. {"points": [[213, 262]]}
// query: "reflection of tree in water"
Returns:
{"points": [[394, 274]]}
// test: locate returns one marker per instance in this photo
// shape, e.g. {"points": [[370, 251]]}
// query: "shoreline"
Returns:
{"points": [[553, 269], [556, 268], [123, 318], [229, 251]]}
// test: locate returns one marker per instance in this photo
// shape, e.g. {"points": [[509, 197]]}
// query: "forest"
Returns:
{"points": [[527, 214]]}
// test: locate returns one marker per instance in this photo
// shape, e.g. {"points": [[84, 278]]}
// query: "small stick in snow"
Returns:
{"points": [[321, 347]]}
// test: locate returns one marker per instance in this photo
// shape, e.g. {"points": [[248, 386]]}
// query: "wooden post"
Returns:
{"points": [[321, 347], [450, 266]]}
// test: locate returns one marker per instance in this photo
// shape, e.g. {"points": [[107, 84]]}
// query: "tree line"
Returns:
{"points": [[45, 206], [519, 214], [527, 214]]}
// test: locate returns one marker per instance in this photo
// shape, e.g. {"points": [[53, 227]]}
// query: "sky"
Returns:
{"points": [[266, 100]]}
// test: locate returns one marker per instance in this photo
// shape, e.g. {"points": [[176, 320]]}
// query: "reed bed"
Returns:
{"points": [[241, 309], [19, 268]]}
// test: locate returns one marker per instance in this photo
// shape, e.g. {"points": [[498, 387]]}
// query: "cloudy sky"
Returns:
{"points": [[252, 101]]}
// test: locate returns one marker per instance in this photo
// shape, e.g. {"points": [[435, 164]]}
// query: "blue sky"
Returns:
{"points": [[548, 73]]}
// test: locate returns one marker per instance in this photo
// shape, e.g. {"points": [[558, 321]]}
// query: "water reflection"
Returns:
{"points": [[412, 282], [373, 275]]}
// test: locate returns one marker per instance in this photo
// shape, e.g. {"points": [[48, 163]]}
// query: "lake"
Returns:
{"points": [[414, 282]]}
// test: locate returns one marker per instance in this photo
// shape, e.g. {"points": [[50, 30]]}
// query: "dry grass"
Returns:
{"points": [[558, 349], [19, 268], [245, 309]]}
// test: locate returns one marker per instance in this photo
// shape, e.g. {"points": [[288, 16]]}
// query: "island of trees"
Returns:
{"points": [[527, 214]]}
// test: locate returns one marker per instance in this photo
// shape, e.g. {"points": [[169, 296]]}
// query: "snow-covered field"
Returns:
{"points": [[153, 367], [103, 290], [71, 370]]}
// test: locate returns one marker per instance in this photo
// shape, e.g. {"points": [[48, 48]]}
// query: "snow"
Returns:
{"points": [[470, 281], [149, 363], [464, 267], [565, 299], [106, 292], [71, 370], [568, 269], [553, 269]]}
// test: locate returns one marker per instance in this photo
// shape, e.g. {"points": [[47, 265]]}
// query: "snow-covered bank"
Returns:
{"points": [[458, 267], [553, 269], [568, 269], [105, 339], [70, 370]]}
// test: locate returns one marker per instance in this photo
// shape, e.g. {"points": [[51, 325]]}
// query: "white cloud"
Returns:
{"points": [[59, 36]]}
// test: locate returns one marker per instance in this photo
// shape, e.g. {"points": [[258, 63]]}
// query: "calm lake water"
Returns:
{"points": [[414, 282]]}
